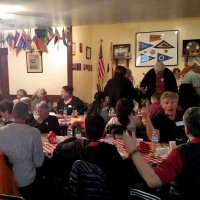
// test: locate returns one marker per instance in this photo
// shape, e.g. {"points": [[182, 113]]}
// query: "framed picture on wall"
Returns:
{"points": [[155, 46], [73, 48], [88, 52], [121, 51], [34, 62]]}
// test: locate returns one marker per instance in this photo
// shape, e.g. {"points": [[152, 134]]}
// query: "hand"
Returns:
{"points": [[39, 120], [130, 141]]}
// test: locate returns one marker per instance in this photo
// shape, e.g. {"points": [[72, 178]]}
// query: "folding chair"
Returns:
{"points": [[136, 194]]}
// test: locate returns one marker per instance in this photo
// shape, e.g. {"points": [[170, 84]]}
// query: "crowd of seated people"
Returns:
{"points": [[40, 95], [167, 121], [20, 93]]}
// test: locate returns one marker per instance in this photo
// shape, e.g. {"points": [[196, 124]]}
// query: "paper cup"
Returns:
{"points": [[172, 145]]}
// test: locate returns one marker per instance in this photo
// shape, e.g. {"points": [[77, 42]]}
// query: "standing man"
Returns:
{"points": [[158, 79], [120, 87]]}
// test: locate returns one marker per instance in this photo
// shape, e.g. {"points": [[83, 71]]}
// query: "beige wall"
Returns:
{"points": [[125, 34], [55, 74]]}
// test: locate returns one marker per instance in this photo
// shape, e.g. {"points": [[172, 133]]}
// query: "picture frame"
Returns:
{"points": [[121, 51], [191, 47], [88, 52], [155, 46], [73, 48], [34, 62]]}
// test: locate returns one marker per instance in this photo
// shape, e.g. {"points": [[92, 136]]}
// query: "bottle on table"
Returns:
{"points": [[69, 130], [154, 140]]}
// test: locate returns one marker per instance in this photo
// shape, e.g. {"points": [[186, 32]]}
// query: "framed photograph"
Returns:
{"points": [[88, 52], [155, 46], [191, 47], [73, 48], [121, 51], [34, 62]]}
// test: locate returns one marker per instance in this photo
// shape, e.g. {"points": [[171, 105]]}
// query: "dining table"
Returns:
{"points": [[150, 157]]}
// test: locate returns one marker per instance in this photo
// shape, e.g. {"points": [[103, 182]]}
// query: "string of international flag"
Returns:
{"points": [[39, 42]]}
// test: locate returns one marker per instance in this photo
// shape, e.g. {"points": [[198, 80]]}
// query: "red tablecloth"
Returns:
{"points": [[48, 149]]}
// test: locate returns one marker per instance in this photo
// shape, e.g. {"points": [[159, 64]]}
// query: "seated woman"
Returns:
{"points": [[30, 118], [45, 122], [40, 95], [20, 93], [98, 106], [70, 102], [124, 116], [168, 124], [6, 107]]}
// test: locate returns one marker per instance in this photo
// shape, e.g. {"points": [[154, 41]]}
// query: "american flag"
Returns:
{"points": [[101, 68]]}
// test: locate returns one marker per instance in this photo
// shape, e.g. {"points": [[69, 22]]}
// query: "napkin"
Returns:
{"points": [[143, 147]]}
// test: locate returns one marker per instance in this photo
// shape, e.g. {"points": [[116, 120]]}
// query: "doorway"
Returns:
{"points": [[4, 81]]}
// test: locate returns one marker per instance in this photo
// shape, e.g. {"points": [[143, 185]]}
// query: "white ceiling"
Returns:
{"points": [[48, 13]]}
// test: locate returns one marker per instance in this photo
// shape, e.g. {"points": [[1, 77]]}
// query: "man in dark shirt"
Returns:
{"points": [[120, 87], [45, 122]]}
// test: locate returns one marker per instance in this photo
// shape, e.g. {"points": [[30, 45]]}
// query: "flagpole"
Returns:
{"points": [[101, 69], [101, 84]]}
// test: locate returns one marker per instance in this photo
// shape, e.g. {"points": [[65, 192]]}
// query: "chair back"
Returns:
{"points": [[7, 181], [10, 197], [136, 194], [87, 181]]}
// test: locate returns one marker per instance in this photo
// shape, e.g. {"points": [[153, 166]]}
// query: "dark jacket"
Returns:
{"points": [[75, 104], [120, 87], [187, 183], [149, 82], [49, 124]]}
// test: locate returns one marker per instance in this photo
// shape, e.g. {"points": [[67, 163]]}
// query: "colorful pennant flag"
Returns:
{"points": [[28, 40], [101, 69], [17, 34], [36, 44], [41, 32], [21, 42], [64, 37], [57, 36], [50, 35], [162, 57], [144, 45], [10, 40], [2, 40]]}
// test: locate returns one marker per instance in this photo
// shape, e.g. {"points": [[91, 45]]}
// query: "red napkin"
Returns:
{"points": [[51, 137], [143, 147]]}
